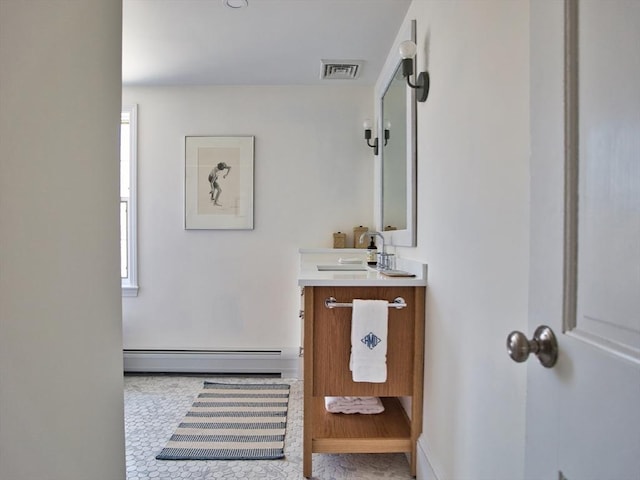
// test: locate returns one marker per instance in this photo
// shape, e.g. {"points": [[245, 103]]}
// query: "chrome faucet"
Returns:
{"points": [[383, 257]]}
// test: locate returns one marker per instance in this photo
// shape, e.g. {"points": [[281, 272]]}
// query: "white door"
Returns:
{"points": [[583, 415]]}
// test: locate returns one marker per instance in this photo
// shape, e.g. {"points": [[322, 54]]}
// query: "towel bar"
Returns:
{"points": [[331, 302]]}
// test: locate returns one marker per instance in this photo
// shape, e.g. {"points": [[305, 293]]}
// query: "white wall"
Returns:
{"points": [[313, 176], [473, 154], [61, 404]]}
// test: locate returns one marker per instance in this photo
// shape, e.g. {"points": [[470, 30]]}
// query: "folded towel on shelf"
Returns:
{"points": [[368, 362], [363, 405]]}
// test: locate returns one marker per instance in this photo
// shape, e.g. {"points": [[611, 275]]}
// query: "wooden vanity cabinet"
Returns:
{"points": [[327, 346]]}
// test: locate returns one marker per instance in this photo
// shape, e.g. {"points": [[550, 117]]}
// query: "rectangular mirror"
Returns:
{"points": [[394, 154], [396, 168]]}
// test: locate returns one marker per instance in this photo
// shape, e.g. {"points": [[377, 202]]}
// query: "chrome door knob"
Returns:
{"points": [[543, 344]]}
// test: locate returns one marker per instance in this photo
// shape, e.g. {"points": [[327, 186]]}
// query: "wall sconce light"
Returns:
{"points": [[367, 134], [387, 131], [407, 52]]}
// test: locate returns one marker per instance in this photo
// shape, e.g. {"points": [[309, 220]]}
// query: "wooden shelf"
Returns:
{"points": [[389, 431]]}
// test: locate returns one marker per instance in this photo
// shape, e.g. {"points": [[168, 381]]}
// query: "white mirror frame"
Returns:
{"points": [[401, 238]]}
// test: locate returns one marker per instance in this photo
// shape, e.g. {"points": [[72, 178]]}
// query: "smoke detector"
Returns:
{"points": [[340, 69], [235, 3]]}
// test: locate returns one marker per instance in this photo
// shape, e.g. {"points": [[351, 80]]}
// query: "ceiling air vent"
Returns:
{"points": [[340, 69]]}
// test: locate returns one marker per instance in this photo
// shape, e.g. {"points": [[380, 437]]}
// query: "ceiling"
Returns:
{"points": [[269, 42]]}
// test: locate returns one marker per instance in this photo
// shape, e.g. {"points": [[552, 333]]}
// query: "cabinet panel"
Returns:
{"points": [[327, 344], [332, 343]]}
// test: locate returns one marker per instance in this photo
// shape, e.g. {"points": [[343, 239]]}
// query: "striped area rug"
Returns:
{"points": [[232, 422]]}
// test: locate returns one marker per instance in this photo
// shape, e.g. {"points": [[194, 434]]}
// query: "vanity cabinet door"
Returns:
{"points": [[332, 343]]}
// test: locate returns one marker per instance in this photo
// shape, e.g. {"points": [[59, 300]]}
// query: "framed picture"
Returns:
{"points": [[218, 183]]}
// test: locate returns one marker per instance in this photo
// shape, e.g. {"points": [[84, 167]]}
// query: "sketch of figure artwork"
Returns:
{"points": [[218, 182], [214, 175]]}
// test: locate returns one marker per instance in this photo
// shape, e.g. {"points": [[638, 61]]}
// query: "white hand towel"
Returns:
{"points": [[359, 400], [363, 405], [368, 361]]}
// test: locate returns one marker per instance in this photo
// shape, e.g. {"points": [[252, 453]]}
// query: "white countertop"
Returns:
{"points": [[309, 274]]}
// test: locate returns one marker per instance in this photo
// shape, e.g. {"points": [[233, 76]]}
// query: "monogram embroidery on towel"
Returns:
{"points": [[370, 340]]}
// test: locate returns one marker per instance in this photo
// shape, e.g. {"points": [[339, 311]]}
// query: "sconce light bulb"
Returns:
{"points": [[367, 124], [408, 49], [387, 125]]}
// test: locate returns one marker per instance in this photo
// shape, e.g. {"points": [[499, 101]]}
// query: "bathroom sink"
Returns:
{"points": [[342, 268]]}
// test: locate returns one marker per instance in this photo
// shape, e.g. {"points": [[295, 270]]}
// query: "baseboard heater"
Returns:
{"points": [[283, 361]]}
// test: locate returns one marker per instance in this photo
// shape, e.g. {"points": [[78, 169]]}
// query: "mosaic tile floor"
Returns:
{"points": [[154, 405]]}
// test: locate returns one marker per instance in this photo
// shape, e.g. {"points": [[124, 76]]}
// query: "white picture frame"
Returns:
{"points": [[219, 182]]}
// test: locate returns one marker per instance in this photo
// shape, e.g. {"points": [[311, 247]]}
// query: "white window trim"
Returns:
{"points": [[130, 284]]}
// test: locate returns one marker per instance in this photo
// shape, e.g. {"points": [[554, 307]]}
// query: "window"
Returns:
{"points": [[128, 217]]}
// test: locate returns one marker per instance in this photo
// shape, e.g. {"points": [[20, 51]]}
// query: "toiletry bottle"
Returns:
{"points": [[372, 254]]}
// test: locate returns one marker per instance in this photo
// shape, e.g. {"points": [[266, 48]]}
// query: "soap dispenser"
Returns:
{"points": [[372, 254]]}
